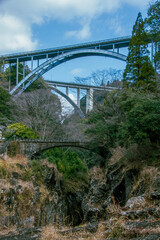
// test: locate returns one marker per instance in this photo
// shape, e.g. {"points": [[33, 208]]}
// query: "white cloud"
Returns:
{"points": [[116, 25], [15, 35], [72, 97], [77, 71], [80, 34], [139, 3], [17, 17], [36, 10], [67, 108]]}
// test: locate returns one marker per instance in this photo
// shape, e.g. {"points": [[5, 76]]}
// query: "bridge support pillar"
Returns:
{"points": [[38, 63], [89, 100], [24, 69], [17, 72], [32, 63], [78, 97], [9, 88], [67, 91], [113, 47]]}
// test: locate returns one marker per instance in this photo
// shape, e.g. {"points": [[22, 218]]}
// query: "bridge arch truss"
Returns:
{"points": [[59, 59]]}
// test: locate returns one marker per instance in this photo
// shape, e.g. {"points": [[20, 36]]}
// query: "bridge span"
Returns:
{"points": [[89, 93], [41, 61], [33, 147], [55, 56]]}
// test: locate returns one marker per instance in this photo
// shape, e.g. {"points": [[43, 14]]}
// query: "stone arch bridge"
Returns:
{"points": [[33, 147]]}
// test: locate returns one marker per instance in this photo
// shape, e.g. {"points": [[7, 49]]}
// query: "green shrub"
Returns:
{"points": [[127, 117], [142, 119], [68, 163], [20, 130], [13, 148], [4, 173], [27, 175], [37, 171]]}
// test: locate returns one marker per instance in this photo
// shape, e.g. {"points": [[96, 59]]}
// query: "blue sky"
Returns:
{"points": [[37, 24]]}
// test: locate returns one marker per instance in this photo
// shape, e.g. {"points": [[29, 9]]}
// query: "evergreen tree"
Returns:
{"points": [[5, 108], [3, 73], [153, 27], [139, 70]]}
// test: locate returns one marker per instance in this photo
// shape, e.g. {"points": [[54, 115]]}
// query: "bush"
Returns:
{"points": [[142, 120], [68, 163], [20, 130], [126, 118]]}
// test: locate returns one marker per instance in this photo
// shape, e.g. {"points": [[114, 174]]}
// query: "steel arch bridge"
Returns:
{"points": [[53, 62], [56, 56]]}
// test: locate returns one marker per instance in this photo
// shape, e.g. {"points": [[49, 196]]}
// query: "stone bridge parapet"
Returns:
{"points": [[32, 147]]}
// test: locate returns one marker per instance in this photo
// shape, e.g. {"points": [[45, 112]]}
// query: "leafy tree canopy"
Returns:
{"points": [[38, 84], [142, 119], [153, 27], [21, 131], [126, 117], [153, 19], [68, 163]]}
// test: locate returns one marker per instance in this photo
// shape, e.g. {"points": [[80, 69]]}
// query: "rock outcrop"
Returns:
{"points": [[31, 201]]}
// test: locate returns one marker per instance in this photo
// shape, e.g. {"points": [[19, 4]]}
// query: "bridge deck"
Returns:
{"points": [[81, 86], [52, 52]]}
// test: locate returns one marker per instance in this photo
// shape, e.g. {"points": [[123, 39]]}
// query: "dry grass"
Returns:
{"points": [[24, 189], [3, 212], [19, 158], [11, 165], [113, 210], [97, 173], [149, 174], [115, 228], [100, 231], [44, 192], [4, 232], [26, 185], [117, 154], [4, 184], [52, 232]]}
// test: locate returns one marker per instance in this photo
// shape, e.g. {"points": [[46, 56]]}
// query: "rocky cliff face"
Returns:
{"points": [[32, 201]]}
